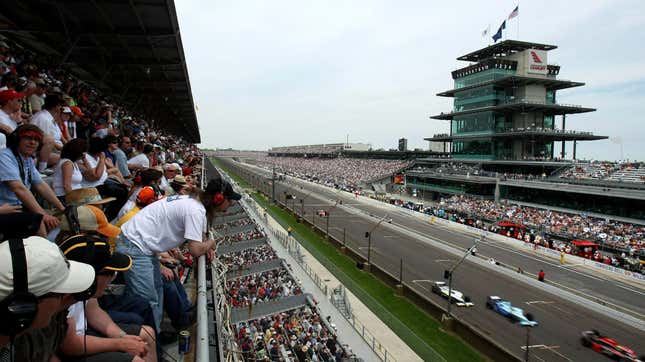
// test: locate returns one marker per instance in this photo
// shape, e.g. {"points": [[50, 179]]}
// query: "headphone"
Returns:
{"points": [[218, 197], [71, 214], [19, 309]]}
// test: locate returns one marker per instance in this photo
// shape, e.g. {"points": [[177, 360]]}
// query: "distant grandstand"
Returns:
{"points": [[321, 150]]}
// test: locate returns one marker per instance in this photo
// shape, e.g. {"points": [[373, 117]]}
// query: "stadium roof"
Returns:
{"points": [[514, 80], [130, 50], [520, 106], [503, 48]]}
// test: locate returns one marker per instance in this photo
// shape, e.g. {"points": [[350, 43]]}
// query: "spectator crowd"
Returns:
{"points": [[296, 335], [244, 258], [261, 288], [349, 174], [92, 196]]}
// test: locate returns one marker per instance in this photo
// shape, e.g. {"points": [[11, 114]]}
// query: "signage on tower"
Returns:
{"points": [[536, 61]]}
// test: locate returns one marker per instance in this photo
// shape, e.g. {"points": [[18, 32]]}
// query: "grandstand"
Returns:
{"points": [[321, 150]]}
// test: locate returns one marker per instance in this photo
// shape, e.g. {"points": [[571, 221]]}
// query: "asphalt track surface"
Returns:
{"points": [[556, 338]]}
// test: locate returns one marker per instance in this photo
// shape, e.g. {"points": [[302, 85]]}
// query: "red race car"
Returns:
{"points": [[608, 347]]}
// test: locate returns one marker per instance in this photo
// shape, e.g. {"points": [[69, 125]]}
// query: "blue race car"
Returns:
{"points": [[505, 308]]}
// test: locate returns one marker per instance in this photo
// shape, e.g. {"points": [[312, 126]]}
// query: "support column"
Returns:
{"points": [[575, 143], [564, 123]]}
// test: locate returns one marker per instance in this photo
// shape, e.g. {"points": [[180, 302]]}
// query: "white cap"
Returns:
{"points": [[47, 269], [66, 110]]}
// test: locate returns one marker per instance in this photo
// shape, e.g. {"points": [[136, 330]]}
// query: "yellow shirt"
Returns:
{"points": [[122, 221]]}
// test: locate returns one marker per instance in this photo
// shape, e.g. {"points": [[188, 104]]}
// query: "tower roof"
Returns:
{"points": [[503, 48]]}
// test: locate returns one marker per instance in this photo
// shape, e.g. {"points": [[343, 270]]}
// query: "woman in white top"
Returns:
{"points": [[67, 175], [99, 172]]}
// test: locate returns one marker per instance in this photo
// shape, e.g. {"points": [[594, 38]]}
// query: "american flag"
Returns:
{"points": [[514, 13]]}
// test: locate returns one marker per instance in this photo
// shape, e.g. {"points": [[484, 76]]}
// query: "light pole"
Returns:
{"points": [[273, 185], [369, 239], [302, 203], [453, 269], [528, 327], [328, 216]]}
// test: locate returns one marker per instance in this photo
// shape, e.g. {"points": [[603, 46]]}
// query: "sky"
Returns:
{"points": [[294, 72]]}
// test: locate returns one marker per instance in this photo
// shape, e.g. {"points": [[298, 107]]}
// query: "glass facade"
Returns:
{"points": [[484, 76], [550, 97], [480, 97], [473, 148]]}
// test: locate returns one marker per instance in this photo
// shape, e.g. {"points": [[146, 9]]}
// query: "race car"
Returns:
{"points": [[505, 308], [457, 297], [609, 347]]}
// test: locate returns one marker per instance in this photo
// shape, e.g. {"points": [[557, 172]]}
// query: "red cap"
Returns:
{"points": [[77, 111], [9, 94]]}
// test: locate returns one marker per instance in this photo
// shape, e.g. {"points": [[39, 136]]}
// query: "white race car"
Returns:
{"points": [[456, 296]]}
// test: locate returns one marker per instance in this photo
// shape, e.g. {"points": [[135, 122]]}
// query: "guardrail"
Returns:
{"points": [[201, 340]]}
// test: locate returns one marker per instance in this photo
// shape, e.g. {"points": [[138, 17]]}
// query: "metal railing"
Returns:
{"points": [[201, 340]]}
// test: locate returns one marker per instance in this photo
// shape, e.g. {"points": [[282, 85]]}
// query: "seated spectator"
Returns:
{"points": [[92, 335], [18, 176], [99, 172], [179, 186], [176, 304], [67, 175], [145, 178], [37, 267], [62, 121], [37, 98], [10, 103], [46, 121], [170, 170], [119, 154], [142, 160]]}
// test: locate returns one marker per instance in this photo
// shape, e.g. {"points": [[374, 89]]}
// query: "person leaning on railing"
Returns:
{"points": [[164, 225]]}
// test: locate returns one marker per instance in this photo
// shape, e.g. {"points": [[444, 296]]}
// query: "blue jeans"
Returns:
{"points": [[176, 303], [144, 278]]}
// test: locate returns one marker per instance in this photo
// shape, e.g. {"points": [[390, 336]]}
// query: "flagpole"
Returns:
{"points": [[518, 20]]}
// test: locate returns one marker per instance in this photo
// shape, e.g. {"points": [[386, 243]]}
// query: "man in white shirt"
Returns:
{"points": [[37, 99], [45, 120], [10, 103], [142, 160]]}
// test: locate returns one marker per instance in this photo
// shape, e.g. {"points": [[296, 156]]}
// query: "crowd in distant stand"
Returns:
{"points": [[296, 335], [544, 227], [261, 288], [245, 258], [344, 173], [246, 235]]}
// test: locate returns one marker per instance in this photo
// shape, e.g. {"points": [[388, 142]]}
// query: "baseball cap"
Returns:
{"points": [[48, 271], [146, 196], [91, 218], [77, 111], [9, 94], [86, 196], [76, 248], [218, 185], [66, 110]]}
